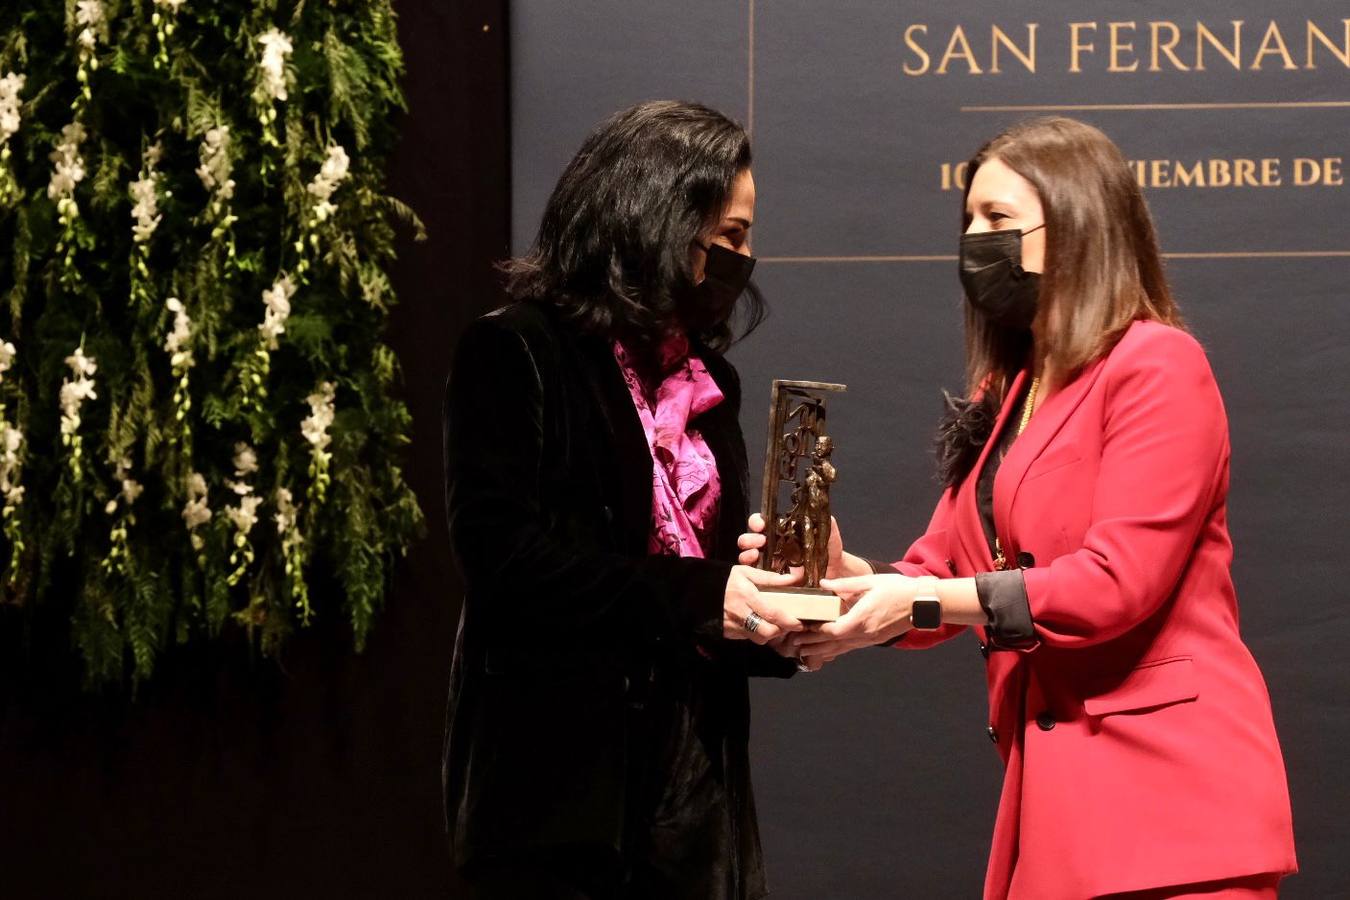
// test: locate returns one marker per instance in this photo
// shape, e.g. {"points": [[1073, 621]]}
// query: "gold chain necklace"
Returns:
{"points": [[1031, 405], [1001, 561]]}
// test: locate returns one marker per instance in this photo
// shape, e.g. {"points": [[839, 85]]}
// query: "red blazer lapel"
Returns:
{"points": [[1047, 422]]}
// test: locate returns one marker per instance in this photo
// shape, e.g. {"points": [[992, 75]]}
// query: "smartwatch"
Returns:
{"points": [[925, 612]]}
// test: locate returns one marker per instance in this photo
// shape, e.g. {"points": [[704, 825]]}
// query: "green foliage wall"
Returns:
{"points": [[197, 413]]}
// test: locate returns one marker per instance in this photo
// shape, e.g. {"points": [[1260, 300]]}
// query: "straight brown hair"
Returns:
{"points": [[1103, 269]]}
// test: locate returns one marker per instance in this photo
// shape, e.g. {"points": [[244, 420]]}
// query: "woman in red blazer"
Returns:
{"points": [[1083, 535]]}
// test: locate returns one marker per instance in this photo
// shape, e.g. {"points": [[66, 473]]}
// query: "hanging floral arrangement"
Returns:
{"points": [[200, 426]]}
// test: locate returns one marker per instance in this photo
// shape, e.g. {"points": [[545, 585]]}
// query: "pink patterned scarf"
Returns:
{"points": [[685, 486]]}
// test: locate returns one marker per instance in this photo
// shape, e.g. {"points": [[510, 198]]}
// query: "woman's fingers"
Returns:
{"points": [[827, 650], [812, 638], [855, 585], [814, 662], [749, 627], [763, 579], [781, 619], [750, 615], [750, 541]]}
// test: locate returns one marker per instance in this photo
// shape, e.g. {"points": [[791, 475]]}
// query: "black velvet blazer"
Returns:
{"points": [[588, 676]]}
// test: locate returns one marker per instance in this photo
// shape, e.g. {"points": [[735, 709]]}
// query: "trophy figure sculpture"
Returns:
{"points": [[797, 462]]}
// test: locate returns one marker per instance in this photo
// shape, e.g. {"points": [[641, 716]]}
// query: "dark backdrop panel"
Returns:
{"points": [[318, 777], [874, 777]]}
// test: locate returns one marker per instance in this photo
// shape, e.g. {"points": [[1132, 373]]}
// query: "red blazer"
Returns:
{"points": [[1137, 732]]}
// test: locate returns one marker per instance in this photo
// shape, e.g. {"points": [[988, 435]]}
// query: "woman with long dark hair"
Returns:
{"points": [[595, 484], [1084, 534]]}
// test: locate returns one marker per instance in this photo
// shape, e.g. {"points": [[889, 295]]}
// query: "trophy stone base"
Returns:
{"points": [[806, 604]]}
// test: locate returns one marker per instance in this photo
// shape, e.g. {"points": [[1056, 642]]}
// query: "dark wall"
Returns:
{"points": [[319, 774], [874, 777]]}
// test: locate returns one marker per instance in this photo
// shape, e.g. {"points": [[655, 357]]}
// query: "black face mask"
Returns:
{"points": [[726, 274], [995, 282]]}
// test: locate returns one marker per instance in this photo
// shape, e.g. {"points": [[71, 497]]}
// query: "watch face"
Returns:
{"points": [[926, 614]]}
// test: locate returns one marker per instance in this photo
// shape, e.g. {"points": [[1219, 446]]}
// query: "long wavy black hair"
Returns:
{"points": [[613, 248]]}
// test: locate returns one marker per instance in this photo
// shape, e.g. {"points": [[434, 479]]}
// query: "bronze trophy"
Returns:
{"points": [[796, 499]]}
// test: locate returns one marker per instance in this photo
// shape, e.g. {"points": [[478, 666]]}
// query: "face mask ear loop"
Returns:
{"points": [[706, 250], [1037, 228]]}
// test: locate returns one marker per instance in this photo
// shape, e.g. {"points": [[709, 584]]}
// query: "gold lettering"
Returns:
{"points": [[1167, 47], [1192, 177], [1342, 55], [1267, 172], [1028, 59], [1117, 46], [1335, 177], [922, 54], [959, 37], [954, 177], [1273, 32], [1306, 172], [1076, 46], [1270, 173], [1203, 34], [1326, 171], [1220, 173]]}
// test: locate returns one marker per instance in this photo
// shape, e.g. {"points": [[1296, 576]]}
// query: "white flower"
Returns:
{"points": [[7, 352], [322, 411], [80, 364], [245, 460], [91, 15], [11, 439], [287, 512], [216, 165], [245, 515], [74, 393], [10, 86], [67, 164], [176, 344], [278, 302], [145, 209], [195, 511], [145, 194], [89, 12], [276, 48], [331, 174], [131, 489]]}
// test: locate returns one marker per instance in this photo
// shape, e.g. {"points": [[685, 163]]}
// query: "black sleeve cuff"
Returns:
{"points": [[704, 594], [1003, 595], [765, 662], [881, 568]]}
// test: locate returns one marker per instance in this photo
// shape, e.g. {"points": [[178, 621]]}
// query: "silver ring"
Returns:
{"points": [[802, 666], [752, 622]]}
